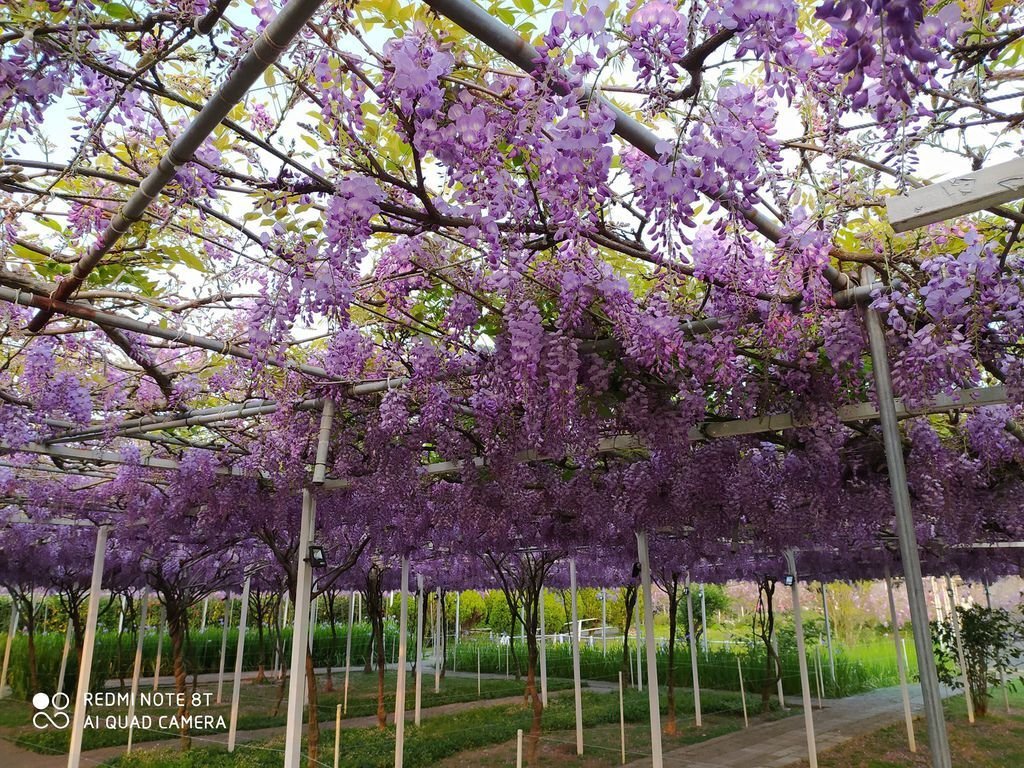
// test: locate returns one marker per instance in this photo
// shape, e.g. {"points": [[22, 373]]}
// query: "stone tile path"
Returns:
{"points": [[784, 742]]}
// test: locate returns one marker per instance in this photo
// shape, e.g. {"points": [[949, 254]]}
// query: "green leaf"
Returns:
{"points": [[118, 11]]}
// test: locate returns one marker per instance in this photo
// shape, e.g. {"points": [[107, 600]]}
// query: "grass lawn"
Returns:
{"points": [[469, 734], [994, 741], [257, 708]]}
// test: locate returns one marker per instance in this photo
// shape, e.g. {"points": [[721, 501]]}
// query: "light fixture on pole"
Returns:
{"points": [[316, 556]]}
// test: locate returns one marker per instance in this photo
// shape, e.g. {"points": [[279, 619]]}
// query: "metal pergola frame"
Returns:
{"points": [[268, 47]]}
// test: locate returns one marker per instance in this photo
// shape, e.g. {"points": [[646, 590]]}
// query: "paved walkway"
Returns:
{"points": [[784, 742]]}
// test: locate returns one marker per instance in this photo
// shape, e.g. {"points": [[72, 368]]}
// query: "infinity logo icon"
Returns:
{"points": [[43, 719]]}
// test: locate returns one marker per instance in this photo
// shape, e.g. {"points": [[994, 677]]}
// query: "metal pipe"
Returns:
{"points": [[693, 653], [575, 635], [901, 664], [303, 597], [88, 646], [403, 641], [955, 621], [137, 667], [264, 52], [223, 646], [653, 699], [543, 654], [418, 684], [801, 647], [486, 28], [828, 632], [236, 690], [938, 739]]}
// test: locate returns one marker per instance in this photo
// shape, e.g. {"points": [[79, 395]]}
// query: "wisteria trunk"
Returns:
{"points": [[177, 627]]}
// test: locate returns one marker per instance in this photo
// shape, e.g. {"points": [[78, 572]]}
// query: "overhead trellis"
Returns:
{"points": [[537, 276]]}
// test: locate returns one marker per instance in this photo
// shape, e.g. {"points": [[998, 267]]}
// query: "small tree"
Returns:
{"points": [[991, 640]]}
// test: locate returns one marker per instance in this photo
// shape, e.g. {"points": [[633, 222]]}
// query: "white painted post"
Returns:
{"points": [[4, 690], [348, 647], [137, 668], [120, 616], [403, 621], [160, 648], [604, 621], [68, 634], [960, 650], [703, 621], [519, 748], [693, 653], [337, 732], [438, 644], [303, 594], [236, 690], [653, 702], [575, 634], [458, 626], [622, 721], [543, 654], [639, 656], [818, 680], [478, 671], [223, 647], [88, 646], [743, 694], [901, 664], [1002, 671], [202, 622], [300, 626], [805, 684], [828, 633], [419, 649]]}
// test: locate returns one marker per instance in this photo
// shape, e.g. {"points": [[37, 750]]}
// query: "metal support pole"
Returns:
{"points": [[419, 650], [137, 668], [160, 648], [303, 594], [236, 690], [458, 626], [604, 621], [519, 748], [622, 720], [639, 656], [348, 648], [938, 739], [68, 634], [88, 646], [438, 644], [653, 702], [901, 664], [202, 621], [265, 50], [403, 631], [693, 653], [337, 736], [828, 633], [543, 654], [743, 695], [223, 648], [1002, 670], [575, 634], [703, 621], [801, 647], [12, 628], [955, 620]]}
